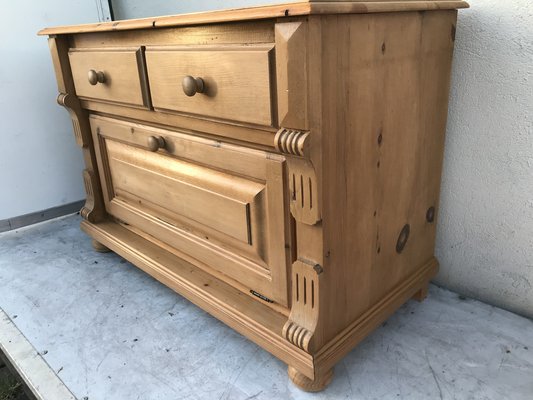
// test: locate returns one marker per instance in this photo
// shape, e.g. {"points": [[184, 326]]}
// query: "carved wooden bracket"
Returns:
{"points": [[93, 210], [78, 116], [303, 191], [292, 142], [302, 177], [300, 327]]}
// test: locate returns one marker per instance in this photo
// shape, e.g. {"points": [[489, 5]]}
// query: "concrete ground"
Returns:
{"points": [[112, 332]]}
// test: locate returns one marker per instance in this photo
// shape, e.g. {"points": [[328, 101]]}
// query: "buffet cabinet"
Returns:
{"points": [[278, 166]]}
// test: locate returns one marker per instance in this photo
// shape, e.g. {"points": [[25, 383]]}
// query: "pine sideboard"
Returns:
{"points": [[278, 166]]}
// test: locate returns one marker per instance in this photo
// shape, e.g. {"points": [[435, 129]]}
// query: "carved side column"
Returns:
{"points": [[302, 328], [94, 209], [306, 270], [292, 67]]}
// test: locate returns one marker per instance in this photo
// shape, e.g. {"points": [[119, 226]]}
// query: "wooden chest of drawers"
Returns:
{"points": [[278, 166]]}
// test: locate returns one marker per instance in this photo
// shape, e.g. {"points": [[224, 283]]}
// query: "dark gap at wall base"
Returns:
{"points": [[40, 216], [12, 386]]}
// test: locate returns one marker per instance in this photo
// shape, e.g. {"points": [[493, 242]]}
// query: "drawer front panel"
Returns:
{"points": [[214, 199], [237, 81], [220, 204], [118, 75]]}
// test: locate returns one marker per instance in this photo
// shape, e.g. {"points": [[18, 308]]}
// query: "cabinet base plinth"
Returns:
{"points": [[309, 385], [250, 317]]}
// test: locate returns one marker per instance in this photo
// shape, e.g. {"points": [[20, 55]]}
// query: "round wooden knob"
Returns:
{"points": [[156, 142], [95, 77], [191, 85]]}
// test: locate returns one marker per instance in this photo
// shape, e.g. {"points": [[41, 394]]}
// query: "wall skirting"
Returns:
{"points": [[40, 216]]}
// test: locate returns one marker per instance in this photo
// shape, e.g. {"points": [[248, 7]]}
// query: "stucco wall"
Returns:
{"points": [[485, 230]]}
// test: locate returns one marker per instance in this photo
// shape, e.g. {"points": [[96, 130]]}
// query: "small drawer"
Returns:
{"points": [[227, 82], [115, 75]]}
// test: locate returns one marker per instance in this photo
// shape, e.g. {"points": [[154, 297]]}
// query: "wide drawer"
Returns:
{"points": [[116, 75], [220, 204], [231, 82]]}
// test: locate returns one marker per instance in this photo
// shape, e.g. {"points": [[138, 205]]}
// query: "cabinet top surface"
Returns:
{"points": [[292, 9]]}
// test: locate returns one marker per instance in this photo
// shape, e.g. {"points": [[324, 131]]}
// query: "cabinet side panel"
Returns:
{"points": [[385, 86]]}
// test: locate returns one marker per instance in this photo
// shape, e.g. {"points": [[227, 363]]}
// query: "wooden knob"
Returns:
{"points": [[95, 77], [156, 142], [191, 85]]}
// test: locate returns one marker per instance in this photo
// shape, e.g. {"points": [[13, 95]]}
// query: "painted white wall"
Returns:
{"points": [[485, 231], [40, 164]]}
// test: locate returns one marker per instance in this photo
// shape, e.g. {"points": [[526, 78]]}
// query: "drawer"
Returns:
{"points": [[115, 75], [226, 82], [222, 205]]}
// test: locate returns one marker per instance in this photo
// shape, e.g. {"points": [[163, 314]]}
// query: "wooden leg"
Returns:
{"points": [[308, 385], [99, 247], [422, 293]]}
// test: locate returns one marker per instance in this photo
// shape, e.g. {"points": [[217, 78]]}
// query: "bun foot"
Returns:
{"points": [[422, 293], [309, 385], [99, 247]]}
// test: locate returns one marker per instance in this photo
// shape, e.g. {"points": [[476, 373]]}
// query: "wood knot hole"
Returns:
{"points": [[402, 238], [430, 214]]}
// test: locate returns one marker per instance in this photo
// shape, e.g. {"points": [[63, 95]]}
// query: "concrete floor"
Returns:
{"points": [[112, 332]]}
